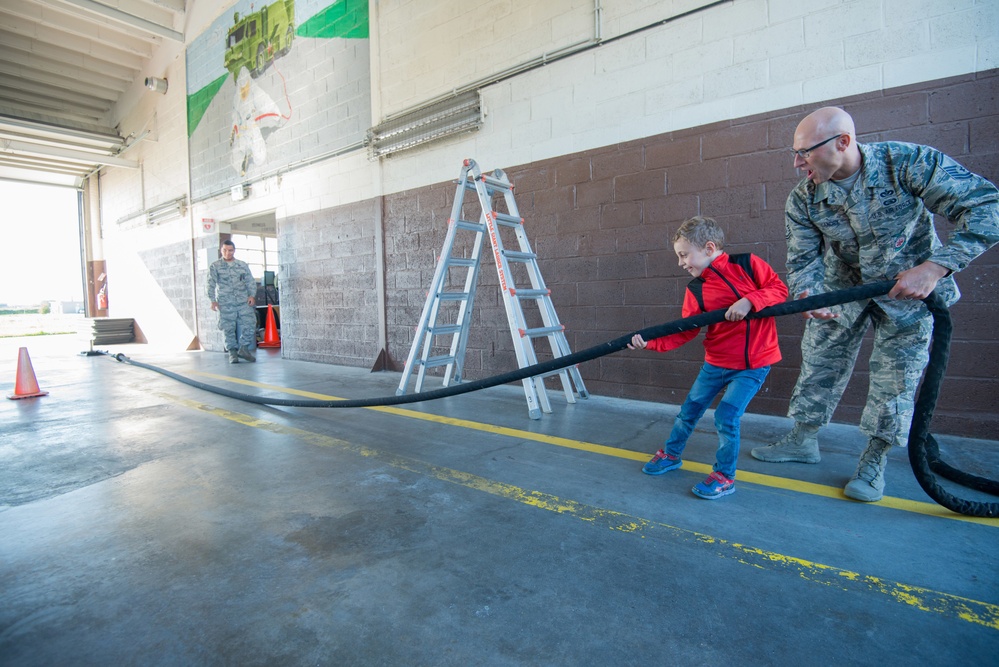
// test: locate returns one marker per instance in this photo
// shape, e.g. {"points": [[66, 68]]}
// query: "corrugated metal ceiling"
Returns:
{"points": [[64, 65]]}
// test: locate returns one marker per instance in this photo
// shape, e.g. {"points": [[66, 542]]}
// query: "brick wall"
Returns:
{"points": [[601, 221], [170, 267], [329, 301], [206, 249]]}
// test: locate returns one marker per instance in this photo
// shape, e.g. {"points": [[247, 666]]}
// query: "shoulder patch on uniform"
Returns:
{"points": [[957, 172]]}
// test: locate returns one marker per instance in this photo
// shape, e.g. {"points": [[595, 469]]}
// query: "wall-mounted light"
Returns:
{"points": [[167, 211], [459, 113], [156, 85]]}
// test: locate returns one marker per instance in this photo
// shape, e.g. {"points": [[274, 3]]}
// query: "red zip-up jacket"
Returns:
{"points": [[732, 345]]}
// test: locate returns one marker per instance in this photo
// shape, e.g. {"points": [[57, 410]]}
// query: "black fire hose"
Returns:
{"points": [[676, 326], [924, 453], [923, 450]]}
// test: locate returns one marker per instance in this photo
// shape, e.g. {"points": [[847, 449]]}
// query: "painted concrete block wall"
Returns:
{"points": [[169, 267], [464, 43], [459, 43], [328, 297], [728, 61], [206, 250]]}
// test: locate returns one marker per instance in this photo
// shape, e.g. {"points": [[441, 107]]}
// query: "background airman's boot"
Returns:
{"points": [[868, 483], [801, 445]]}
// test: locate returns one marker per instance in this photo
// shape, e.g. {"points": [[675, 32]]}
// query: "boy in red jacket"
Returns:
{"points": [[737, 352]]}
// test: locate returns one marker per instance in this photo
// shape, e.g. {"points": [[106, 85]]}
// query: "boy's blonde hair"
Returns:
{"points": [[699, 230]]}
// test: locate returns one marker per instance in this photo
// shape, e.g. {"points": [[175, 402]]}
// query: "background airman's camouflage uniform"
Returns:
{"points": [[231, 284], [881, 227]]}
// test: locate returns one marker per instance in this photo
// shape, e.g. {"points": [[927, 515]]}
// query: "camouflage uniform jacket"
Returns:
{"points": [[884, 225], [233, 280]]}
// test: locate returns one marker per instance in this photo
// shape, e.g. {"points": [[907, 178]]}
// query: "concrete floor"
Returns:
{"points": [[145, 522]]}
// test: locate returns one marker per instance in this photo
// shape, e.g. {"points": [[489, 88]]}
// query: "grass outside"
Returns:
{"points": [[36, 324]]}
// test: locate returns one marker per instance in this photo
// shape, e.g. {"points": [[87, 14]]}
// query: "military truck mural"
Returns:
{"points": [[255, 40]]}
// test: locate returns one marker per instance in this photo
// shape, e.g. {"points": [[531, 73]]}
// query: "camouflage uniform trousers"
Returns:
{"points": [[239, 324], [829, 351]]}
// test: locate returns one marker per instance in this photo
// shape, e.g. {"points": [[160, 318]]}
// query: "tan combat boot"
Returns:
{"points": [[801, 445], [868, 483]]}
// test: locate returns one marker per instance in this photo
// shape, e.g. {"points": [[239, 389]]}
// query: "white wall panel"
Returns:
{"points": [[738, 18], [928, 66], [770, 42]]}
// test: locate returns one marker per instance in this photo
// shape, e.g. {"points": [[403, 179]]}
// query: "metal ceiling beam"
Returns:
{"points": [[48, 166], [58, 60], [127, 19], [102, 139], [23, 147], [175, 6], [82, 38], [58, 82], [37, 176], [53, 102]]}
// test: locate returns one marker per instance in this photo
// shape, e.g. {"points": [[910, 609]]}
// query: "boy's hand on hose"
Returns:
{"points": [[637, 343], [738, 310]]}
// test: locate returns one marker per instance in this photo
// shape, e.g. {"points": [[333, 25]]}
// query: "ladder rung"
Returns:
{"points": [[529, 293], [436, 361], [519, 256], [496, 183], [551, 373], [541, 331], [508, 220], [461, 261], [452, 296], [445, 329], [471, 226]]}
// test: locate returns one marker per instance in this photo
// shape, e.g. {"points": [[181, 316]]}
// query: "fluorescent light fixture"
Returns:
{"points": [[460, 113], [166, 211]]}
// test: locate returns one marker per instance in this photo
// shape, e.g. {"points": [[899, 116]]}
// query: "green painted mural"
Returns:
{"points": [[199, 101], [255, 40], [347, 19]]}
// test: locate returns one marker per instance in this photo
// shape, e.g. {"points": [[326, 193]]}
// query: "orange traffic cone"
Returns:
{"points": [[271, 336], [25, 386]]}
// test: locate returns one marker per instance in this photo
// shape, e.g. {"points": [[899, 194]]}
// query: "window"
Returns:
{"points": [[260, 252]]}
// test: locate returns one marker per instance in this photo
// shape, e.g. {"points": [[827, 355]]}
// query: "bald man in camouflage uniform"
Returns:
{"points": [[232, 291], [863, 213]]}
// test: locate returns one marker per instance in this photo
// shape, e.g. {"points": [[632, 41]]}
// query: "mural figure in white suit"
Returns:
{"points": [[252, 111]]}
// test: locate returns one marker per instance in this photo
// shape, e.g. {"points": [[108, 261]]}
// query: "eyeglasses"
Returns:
{"points": [[803, 153]]}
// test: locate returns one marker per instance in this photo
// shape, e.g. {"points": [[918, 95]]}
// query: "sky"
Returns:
{"points": [[40, 254]]}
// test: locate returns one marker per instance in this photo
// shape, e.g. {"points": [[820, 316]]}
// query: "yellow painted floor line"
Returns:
{"points": [[924, 599], [760, 479]]}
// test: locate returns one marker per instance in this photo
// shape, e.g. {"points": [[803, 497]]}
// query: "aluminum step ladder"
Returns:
{"points": [[448, 309]]}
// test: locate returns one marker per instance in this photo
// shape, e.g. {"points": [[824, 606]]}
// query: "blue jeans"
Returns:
{"points": [[740, 387]]}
